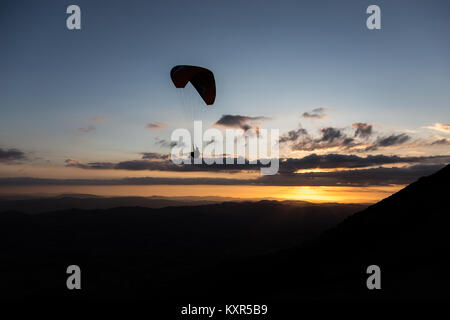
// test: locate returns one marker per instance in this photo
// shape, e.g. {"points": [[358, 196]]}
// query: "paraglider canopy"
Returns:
{"points": [[202, 79]]}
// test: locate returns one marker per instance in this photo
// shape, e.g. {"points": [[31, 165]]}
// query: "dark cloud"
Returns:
{"points": [[10, 155], [380, 176], [333, 161], [150, 161], [331, 137], [238, 121], [164, 165], [392, 140], [348, 141], [364, 177], [207, 143], [155, 126], [165, 143], [91, 165], [154, 156], [126, 181], [330, 134], [318, 113], [293, 135], [142, 165], [363, 130], [286, 166], [443, 141]]}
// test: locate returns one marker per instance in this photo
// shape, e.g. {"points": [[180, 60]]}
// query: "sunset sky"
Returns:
{"points": [[361, 112]]}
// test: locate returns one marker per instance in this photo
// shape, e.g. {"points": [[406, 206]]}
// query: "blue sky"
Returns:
{"points": [[270, 58]]}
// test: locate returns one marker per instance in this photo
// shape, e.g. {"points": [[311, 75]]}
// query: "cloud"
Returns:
{"points": [[87, 129], [440, 127], [92, 127], [161, 162], [318, 113], [301, 140], [154, 156], [155, 126], [97, 120], [126, 181], [207, 143], [443, 141], [11, 155], [165, 143], [149, 161], [380, 176], [392, 140], [341, 139], [363, 130], [293, 135], [91, 165], [340, 161], [330, 134], [331, 137], [163, 165], [138, 165], [356, 178], [238, 121]]}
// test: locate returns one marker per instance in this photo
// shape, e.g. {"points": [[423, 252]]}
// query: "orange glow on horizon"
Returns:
{"points": [[316, 170], [313, 194]]}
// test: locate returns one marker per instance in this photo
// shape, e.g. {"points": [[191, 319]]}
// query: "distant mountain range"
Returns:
{"points": [[266, 250], [44, 203], [41, 203], [131, 248], [406, 235]]}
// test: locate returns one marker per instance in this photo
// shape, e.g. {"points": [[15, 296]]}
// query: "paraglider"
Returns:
{"points": [[202, 79]]}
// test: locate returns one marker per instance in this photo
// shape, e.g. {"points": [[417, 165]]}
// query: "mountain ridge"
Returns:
{"points": [[405, 234]]}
